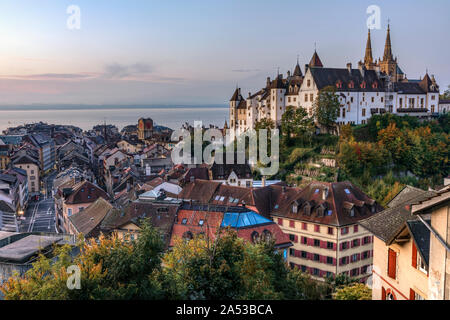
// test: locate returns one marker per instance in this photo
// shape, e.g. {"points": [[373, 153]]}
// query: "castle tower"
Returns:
{"points": [[315, 61]]}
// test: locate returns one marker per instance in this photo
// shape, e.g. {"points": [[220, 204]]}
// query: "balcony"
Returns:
{"points": [[412, 110]]}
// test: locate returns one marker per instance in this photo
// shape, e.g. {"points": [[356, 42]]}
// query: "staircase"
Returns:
{"points": [[8, 222]]}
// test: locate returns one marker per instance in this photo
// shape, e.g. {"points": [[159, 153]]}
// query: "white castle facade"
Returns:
{"points": [[374, 87]]}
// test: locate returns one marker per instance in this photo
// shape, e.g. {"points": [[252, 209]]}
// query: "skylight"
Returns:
{"points": [[316, 191], [329, 213], [200, 223], [347, 191], [222, 198], [230, 200], [217, 198], [184, 221]]}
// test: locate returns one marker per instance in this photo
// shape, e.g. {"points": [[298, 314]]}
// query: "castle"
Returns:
{"points": [[375, 87]]}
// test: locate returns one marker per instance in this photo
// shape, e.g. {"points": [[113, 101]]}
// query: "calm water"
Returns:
{"points": [[87, 117]]}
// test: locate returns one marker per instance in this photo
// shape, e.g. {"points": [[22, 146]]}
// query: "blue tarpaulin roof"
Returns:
{"points": [[243, 219]]}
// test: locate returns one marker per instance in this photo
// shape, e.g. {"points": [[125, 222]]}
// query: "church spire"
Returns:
{"points": [[388, 48], [368, 59]]}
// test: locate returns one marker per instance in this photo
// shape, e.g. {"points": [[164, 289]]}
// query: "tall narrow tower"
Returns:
{"points": [[388, 65], [368, 58]]}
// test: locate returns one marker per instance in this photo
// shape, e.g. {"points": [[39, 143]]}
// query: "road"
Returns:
{"points": [[39, 217]]}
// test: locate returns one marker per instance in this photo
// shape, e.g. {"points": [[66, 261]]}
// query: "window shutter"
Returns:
{"points": [[296, 239], [392, 263], [334, 261], [359, 242], [358, 257], [280, 221], [334, 246], [412, 294], [383, 293], [414, 255], [323, 244]]}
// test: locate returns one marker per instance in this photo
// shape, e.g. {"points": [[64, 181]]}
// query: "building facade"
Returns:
{"points": [[322, 222], [374, 87]]}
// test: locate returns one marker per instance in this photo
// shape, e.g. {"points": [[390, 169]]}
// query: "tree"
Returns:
{"points": [[295, 121], [230, 268], [327, 108], [110, 269], [357, 291], [396, 142], [446, 94], [264, 123]]}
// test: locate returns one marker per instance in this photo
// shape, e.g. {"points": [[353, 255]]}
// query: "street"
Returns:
{"points": [[39, 217]]}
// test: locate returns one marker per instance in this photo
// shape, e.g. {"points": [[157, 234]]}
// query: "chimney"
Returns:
{"points": [[268, 81], [325, 194], [349, 67], [361, 68], [288, 73], [263, 181]]}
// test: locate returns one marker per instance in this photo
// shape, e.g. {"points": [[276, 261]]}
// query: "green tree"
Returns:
{"points": [[327, 108], [295, 122], [230, 268], [446, 94], [110, 269], [357, 291]]}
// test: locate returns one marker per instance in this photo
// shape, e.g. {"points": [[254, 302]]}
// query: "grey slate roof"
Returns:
{"points": [[388, 223], [421, 236]]}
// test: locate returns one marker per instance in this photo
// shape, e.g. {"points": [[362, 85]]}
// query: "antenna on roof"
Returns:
{"points": [[315, 46]]}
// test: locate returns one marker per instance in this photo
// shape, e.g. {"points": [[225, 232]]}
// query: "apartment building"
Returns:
{"points": [[322, 222]]}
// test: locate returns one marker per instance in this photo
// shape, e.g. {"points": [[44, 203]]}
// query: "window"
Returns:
{"points": [[292, 252], [311, 97], [184, 221], [392, 263], [201, 222], [344, 245], [69, 212], [330, 230], [344, 230], [280, 221], [304, 226], [316, 271], [329, 260], [291, 223], [308, 83], [316, 257], [316, 243], [316, 228], [355, 228], [354, 257], [304, 254], [292, 237], [365, 255], [306, 97], [363, 112], [355, 243], [304, 240], [330, 245], [364, 269]]}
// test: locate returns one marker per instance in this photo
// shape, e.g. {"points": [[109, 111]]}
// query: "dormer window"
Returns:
{"points": [[294, 208], [363, 85], [352, 212], [375, 85], [307, 209], [372, 209], [351, 85], [201, 222], [320, 211], [339, 84]]}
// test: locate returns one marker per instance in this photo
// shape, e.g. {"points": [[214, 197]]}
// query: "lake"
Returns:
{"points": [[85, 117]]}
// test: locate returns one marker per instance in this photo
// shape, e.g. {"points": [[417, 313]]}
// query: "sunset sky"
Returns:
{"points": [[196, 52]]}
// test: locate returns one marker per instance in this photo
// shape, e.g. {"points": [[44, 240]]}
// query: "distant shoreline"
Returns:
{"points": [[102, 107]]}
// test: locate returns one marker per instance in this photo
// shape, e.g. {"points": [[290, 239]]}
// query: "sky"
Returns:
{"points": [[196, 52]]}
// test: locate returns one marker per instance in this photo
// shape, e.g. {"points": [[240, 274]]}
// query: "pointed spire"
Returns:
{"points": [[315, 61], [368, 58], [387, 47], [297, 70]]}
